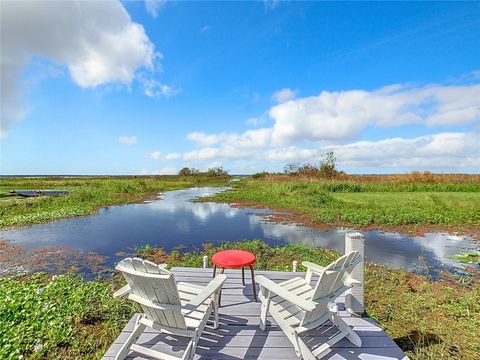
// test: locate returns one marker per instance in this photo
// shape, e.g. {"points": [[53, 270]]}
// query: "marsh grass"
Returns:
{"points": [[347, 203], [87, 195], [414, 177], [428, 320], [278, 258]]}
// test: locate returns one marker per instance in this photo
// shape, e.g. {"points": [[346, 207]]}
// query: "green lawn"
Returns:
{"points": [[337, 205]]}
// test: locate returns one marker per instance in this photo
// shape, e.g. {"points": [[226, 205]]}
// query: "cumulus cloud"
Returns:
{"points": [[96, 40], [250, 138], [284, 95], [343, 115], [157, 155], [340, 116], [443, 151], [127, 140], [454, 151]]}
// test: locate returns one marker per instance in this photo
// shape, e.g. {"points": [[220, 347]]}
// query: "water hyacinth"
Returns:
{"points": [[40, 315]]}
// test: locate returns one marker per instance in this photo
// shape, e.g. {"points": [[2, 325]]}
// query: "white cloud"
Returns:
{"points": [[284, 95], [96, 40], [127, 140], [173, 156], [339, 116], [204, 140], [437, 151], [153, 7], [343, 115], [154, 88], [157, 155], [250, 138], [209, 153], [444, 151]]}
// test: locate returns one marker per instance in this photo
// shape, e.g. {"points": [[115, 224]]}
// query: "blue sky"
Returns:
{"points": [[150, 87]]}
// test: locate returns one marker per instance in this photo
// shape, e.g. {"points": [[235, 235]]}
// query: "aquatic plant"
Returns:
{"points": [[58, 317], [467, 258]]}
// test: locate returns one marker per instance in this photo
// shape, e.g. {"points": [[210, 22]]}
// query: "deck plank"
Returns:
{"points": [[239, 337]]}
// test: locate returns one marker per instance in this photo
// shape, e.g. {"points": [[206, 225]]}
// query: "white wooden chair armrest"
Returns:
{"points": [[213, 286], [123, 292], [303, 304], [353, 282], [152, 304], [313, 267]]}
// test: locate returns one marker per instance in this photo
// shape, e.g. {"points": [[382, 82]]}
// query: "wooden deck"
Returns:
{"points": [[239, 336]]}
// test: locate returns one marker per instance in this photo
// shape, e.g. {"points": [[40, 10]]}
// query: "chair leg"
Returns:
{"points": [[253, 283], [302, 349], [264, 311], [215, 312], [125, 349], [194, 346], [351, 335]]}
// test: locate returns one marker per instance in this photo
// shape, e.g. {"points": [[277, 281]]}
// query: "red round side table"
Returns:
{"points": [[235, 259]]}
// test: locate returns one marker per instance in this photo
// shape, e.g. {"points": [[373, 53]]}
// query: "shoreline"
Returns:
{"points": [[280, 215]]}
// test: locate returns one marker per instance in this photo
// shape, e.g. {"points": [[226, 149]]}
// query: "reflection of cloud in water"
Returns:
{"points": [[180, 201], [393, 249], [294, 233]]}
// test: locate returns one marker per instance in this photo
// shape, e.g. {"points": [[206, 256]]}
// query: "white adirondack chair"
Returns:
{"points": [[299, 306], [172, 308]]}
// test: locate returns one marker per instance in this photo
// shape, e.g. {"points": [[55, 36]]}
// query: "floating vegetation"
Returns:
{"points": [[467, 258], [15, 260]]}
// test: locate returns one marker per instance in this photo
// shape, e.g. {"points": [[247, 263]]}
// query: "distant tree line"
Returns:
{"points": [[326, 168], [214, 172]]}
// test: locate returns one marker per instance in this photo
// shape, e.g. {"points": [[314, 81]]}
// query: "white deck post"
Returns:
{"points": [[354, 298], [294, 265], [205, 262]]}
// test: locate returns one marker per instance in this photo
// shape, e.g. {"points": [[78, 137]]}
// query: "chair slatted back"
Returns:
{"points": [[330, 283], [154, 283]]}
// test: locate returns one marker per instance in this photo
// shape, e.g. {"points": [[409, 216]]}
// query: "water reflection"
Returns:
{"points": [[173, 219]]}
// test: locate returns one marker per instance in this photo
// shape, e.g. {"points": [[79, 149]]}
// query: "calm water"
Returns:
{"points": [[173, 220]]}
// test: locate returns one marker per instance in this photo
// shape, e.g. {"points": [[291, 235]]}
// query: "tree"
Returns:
{"points": [[186, 171], [328, 165], [291, 168], [217, 171]]}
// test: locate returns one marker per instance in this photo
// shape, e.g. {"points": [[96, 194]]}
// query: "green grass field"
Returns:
{"points": [[346, 203]]}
